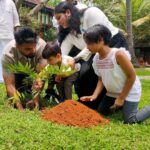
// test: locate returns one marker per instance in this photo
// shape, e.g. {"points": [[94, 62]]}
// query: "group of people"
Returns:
{"points": [[106, 80]]}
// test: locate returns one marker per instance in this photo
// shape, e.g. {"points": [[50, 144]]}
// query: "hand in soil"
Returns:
{"points": [[30, 104], [19, 106], [87, 98]]}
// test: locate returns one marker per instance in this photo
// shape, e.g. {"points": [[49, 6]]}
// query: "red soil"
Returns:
{"points": [[73, 113]]}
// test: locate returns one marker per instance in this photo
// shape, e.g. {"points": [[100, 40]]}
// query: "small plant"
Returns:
{"points": [[45, 76]]}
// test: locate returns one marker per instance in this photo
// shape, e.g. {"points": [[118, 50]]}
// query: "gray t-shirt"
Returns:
{"points": [[12, 56]]}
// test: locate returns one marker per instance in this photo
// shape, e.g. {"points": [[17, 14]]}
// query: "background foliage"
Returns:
{"points": [[116, 11]]}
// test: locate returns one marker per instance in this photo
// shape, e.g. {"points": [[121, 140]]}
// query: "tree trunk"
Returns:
{"points": [[37, 8], [129, 32]]}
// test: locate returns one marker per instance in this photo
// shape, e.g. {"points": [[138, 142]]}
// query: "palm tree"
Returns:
{"points": [[129, 30], [140, 10]]}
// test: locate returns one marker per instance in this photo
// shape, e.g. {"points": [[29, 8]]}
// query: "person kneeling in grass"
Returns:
{"points": [[116, 73]]}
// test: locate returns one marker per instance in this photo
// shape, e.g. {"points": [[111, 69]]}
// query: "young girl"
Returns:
{"points": [[116, 74]]}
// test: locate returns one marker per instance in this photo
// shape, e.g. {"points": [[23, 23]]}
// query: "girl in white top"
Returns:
{"points": [[72, 24], [116, 74]]}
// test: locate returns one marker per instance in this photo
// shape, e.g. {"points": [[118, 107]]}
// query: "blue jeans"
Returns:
{"points": [[131, 114]]}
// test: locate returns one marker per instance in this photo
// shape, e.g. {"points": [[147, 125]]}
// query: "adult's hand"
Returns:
{"points": [[19, 106]]}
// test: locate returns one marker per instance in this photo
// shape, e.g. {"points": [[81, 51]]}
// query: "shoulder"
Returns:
{"points": [[93, 11], [81, 6], [93, 15], [11, 3], [122, 52], [9, 49], [96, 57]]}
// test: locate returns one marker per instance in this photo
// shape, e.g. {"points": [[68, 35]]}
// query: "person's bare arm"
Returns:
{"points": [[10, 88], [96, 93], [129, 71]]}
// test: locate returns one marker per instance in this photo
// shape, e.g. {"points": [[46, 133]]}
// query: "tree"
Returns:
{"points": [[129, 30], [38, 7], [140, 12]]}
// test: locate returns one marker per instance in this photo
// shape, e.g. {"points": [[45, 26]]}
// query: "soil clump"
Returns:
{"points": [[73, 113]]}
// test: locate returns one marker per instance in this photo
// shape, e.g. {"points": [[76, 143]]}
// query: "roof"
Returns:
{"points": [[33, 3]]}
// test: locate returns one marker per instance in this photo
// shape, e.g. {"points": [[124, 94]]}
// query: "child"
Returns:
{"points": [[52, 53], [116, 74]]}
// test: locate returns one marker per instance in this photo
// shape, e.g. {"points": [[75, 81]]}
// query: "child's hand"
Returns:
{"points": [[87, 98], [118, 103], [30, 104], [37, 85], [58, 78], [36, 102]]}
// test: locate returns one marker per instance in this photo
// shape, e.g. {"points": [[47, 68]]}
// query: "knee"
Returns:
{"points": [[130, 119]]}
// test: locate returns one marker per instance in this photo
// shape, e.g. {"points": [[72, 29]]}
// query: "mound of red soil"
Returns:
{"points": [[73, 113]]}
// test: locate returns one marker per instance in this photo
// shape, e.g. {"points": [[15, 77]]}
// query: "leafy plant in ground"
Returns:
{"points": [[45, 76]]}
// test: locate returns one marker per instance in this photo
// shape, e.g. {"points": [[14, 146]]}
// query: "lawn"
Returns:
{"points": [[143, 71], [27, 131]]}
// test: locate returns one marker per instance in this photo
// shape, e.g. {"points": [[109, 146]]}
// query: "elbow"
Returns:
{"points": [[132, 77]]}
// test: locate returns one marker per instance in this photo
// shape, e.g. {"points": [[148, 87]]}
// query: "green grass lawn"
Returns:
{"points": [[143, 71], [27, 131]]}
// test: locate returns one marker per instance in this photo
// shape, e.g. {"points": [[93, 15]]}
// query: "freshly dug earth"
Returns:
{"points": [[73, 113]]}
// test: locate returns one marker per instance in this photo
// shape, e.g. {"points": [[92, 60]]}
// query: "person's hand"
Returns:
{"points": [[118, 103], [76, 59], [58, 78], [37, 85], [87, 98], [19, 106], [36, 102], [30, 104]]}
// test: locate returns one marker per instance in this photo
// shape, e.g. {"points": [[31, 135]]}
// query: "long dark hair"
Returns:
{"points": [[74, 20]]}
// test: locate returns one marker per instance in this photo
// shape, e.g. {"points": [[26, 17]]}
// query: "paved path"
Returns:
{"points": [[144, 77]]}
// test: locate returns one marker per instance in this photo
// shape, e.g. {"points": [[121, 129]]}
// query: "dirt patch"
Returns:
{"points": [[73, 113]]}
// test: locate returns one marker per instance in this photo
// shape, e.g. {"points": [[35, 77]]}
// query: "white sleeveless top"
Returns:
{"points": [[113, 77]]}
